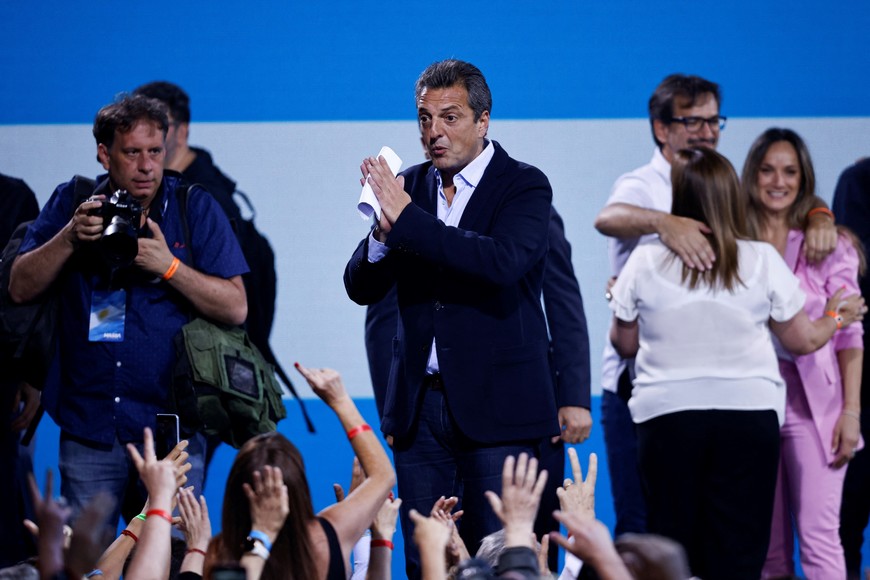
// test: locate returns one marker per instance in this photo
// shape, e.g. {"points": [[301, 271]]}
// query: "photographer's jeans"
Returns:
{"points": [[87, 469]]}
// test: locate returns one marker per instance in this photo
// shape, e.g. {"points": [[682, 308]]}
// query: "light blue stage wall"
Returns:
{"points": [[290, 97]]}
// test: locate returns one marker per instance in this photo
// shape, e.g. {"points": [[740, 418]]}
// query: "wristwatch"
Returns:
{"points": [[258, 544], [256, 547]]}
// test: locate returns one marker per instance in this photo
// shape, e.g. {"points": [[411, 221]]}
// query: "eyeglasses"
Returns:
{"points": [[694, 124]]}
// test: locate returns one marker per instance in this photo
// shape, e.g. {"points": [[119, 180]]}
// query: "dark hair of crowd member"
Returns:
{"points": [[172, 95], [292, 553]]}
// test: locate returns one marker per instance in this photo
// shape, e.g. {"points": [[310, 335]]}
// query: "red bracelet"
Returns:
{"points": [[382, 544], [195, 550], [160, 514], [357, 430], [130, 534]]}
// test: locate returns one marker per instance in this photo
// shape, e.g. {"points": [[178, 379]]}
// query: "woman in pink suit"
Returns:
{"points": [[822, 421]]}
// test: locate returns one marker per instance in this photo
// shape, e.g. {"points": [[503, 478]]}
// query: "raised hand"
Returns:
{"points": [[326, 384], [195, 521], [591, 543], [269, 501], [578, 496], [159, 477], [520, 497], [441, 511]]}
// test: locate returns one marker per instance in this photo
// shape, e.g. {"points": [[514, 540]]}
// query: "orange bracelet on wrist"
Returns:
{"points": [[357, 430], [170, 272], [823, 210], [195, 551], [836, 316], [382, 544], [160, 514], [130, 535]]}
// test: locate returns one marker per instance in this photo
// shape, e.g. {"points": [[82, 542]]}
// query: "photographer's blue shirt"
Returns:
{"points": [[97, 391]]}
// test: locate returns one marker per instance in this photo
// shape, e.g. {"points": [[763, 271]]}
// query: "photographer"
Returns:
{"points": [[123, 302]]}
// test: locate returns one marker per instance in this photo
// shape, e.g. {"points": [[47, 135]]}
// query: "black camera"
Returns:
{"points": [[121, 215]]}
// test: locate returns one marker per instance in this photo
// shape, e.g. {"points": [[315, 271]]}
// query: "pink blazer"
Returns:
{"points": [[820, 371]]}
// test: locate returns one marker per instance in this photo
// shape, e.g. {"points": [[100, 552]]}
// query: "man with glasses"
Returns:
{"points": [[683, 112]]}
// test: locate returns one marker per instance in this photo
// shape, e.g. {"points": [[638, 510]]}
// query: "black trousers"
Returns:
{"points": [[709, 477]]}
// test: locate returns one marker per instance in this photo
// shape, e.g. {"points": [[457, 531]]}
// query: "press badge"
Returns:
{"points": [[108, 310]]}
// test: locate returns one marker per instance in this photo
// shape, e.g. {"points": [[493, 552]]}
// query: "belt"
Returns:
{"points": [[433, 382]]}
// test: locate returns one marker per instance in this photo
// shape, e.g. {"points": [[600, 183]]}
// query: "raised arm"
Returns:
{"points": [[354, 515], [684, 236], [111, 562], [153, 553]]}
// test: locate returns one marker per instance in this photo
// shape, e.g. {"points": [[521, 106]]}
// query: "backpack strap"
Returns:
{"points": [[182, 194]]}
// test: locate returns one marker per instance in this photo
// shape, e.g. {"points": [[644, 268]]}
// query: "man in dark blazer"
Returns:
{"points": [[466, 248], [569, 360]]}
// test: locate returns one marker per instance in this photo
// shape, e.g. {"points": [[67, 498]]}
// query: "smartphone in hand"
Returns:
{"points": [[167, 435]]}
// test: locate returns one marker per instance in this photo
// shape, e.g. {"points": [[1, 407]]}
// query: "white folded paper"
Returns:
{"points": [[368, 202]]}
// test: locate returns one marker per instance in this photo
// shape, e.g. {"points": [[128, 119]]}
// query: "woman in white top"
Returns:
{"points": [[708, 398]]}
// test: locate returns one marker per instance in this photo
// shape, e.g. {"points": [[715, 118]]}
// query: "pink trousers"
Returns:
{"points": [[808, 493]]}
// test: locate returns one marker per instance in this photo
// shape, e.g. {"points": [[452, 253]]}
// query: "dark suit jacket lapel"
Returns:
{"points": [[430, 202], [488, 186]]}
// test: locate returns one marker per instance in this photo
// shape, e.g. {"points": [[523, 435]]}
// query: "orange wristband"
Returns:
{"points": [[382, 544], [130, 534], [170, 272], [837, 318], [357, 430], [160, 514], [823, 210]]}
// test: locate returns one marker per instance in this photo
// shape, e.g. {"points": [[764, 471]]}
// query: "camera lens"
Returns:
{"points": [[119, 243]]}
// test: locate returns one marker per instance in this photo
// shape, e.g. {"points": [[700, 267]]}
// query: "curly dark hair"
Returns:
{"points": [[122, 115]]}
